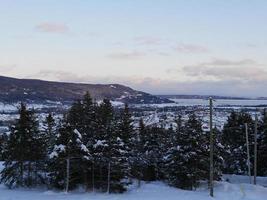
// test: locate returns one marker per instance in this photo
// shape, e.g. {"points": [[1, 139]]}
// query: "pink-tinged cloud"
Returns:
{"points": [[222, 69], [48, 27], [146, 40], [190, 48], [127, 55]]}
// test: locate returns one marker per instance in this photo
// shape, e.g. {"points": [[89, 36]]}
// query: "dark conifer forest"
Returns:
{"points": [[98, 148]]}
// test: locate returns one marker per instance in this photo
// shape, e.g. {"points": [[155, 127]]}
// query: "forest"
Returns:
{"points": [[99, 149]]}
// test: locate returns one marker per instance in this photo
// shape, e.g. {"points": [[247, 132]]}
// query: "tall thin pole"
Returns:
{"points": [[108, 189], [211, 148], [255, 149], [248, 154], [93, 176], [68, 175]]}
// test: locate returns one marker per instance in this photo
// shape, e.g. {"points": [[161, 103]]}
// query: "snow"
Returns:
{"points": [[236, 179], [84, 148], [100, 143], [238, 188], [148, 191], [57, 149], [77, 133], [53, 155], [117, 103]]}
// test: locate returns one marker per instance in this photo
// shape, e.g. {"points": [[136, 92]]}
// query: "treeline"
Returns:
{"points": [[98, 148]]}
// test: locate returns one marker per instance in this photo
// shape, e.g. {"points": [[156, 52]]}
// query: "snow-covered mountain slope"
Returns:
{"points": [[12, 89]]}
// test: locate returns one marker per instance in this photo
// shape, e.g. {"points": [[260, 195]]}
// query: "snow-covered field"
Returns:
{"points": [[148, 191], [237, 188]]}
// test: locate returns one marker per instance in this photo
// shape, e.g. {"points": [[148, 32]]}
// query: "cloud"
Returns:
{"points": [[190, 48], [148, 40], [162, 86], [127, 55], [224, 62], [49, 27], [219, 69], [7, 68]]}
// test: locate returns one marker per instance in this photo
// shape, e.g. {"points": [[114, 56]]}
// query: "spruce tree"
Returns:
{"points": [[262, 153], [234, 141], [138, 160], [110, 151], [187, 160], [49, 132], [68, 148], [125, 131], [88, 130], [24, 152], [3, 144]]}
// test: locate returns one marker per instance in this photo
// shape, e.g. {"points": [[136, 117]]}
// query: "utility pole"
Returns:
{"points": [[255, 149], [211, 148], [248, 155]]}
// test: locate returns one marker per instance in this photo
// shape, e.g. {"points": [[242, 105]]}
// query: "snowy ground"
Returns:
{"points": [[236, 189], [149, 191]]}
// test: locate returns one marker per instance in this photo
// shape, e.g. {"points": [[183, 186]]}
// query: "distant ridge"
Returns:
{"points": [[177, 96], [34, 90]]}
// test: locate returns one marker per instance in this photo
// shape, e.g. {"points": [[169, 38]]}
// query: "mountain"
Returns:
{"points": [[13, 90], [177, 96]]}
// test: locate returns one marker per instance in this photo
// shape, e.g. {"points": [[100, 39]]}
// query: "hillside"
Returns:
{"points": [[12, 90]]}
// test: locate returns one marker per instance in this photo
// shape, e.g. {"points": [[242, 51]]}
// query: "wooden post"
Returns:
{"points": [[108, 189], [211, 148], [248, 154], [255, 149], [93, 176], [68, 175]]}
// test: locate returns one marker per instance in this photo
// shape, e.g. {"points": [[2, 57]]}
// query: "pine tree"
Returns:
{"points": [[110, 151], [262, 154], [68, 148], [187, 160], [138, 160], [234, 140], [89, 130], [49, 131], [125, 131], [24, 152], [3, 144], [172, 156], [75, 116]]}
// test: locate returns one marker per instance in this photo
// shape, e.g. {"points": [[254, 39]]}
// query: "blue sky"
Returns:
{"points": [[159, 46]]}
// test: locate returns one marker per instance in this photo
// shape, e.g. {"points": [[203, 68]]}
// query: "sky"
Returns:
{"points": [[207, 47]]}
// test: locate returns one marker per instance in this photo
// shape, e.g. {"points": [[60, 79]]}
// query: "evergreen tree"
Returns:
{"points": [[187, 160], [68, 149], [262, 153], [75, 116], [110, 151], [24, 152], [49, 131], [138, 153], [153, 146], [125, 131], [3, 144], [172, 156], [89, 130], [234, 140]]}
